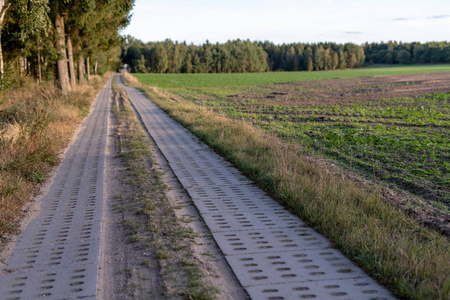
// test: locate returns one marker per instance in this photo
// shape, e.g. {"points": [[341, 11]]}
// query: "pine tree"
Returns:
{"points": [[161, 59], [342, 61]]}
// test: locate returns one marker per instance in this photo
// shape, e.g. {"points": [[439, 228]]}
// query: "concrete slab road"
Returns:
{"points": [[57, 254]]}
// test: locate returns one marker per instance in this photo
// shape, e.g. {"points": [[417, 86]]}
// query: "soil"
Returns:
{"points": [[122, 274], [340, 91]]}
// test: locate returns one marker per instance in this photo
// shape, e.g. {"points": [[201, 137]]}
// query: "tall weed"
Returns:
{"points": [[36, 122]]}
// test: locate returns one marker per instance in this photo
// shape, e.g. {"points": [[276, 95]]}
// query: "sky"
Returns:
{"points": [[289, 21]]}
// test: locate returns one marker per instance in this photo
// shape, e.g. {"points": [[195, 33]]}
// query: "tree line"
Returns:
{"points": [[313, 57], [237, 56], [173, 57], [240, 56], [60, 40], [407, 53]]}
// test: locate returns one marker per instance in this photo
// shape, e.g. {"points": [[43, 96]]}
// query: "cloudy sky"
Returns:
{"points": [[285, 21]]}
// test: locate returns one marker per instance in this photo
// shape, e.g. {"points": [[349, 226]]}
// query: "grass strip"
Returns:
{"points": [[239, 79], [409, 258], [161, 232], [36, 123]]}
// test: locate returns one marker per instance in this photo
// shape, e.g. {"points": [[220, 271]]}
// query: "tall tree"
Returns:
{"points": [[63, 72], [31, 17], [59, 9], [3, 8], [100, 33], [39, 34], [79, 13], [162, 62], [81, 66]]}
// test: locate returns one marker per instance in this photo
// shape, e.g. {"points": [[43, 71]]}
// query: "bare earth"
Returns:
{"points": [[349, 90]]}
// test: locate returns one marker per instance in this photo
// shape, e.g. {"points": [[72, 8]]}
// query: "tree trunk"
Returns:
{"points": [[1, 54], [3, 9], [39, 61], [81, 67], [88, 69], [22, 67], [73, 80], [63, 72], [95, 68]]}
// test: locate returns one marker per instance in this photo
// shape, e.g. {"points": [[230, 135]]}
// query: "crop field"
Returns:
{"points": [[394, 129], [239, 79]]}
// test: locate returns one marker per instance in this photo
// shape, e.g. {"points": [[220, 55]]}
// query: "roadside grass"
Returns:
{"points": [[238, 79], [36, 122], [159, 232], [408, 258]]}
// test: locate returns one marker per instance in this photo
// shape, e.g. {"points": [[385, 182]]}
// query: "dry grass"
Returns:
{"points": [[36, 122], [409, 258], [160, 232]]}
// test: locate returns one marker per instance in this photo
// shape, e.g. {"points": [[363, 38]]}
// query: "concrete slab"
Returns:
{"points": [[55, 235], [74, 282], [354, 288], [292, 266], [217, 191], [226, 204], [255, 220], [270, 240], [60, 256]]}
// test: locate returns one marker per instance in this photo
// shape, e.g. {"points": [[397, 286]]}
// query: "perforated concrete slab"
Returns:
{"points": [[206, 174], [230, 191], [221, 222], [202, 157], [57, 255], [292, 266], [67, 283], [354, 288], [270, 240], [55, 235], [272, 252], [223, 205]]}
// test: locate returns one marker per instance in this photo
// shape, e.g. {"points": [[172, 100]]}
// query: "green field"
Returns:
{"points": [[236, 79], [402, 141]]}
